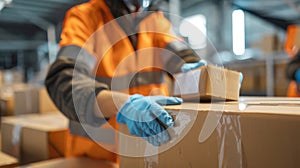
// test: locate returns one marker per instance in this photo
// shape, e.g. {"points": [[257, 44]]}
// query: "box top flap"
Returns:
{"points": [[247, 105], [6, 160]]}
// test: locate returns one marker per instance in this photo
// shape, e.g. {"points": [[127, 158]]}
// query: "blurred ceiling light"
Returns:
{"points": [[238, 32], [194, 28], [2, 5]]}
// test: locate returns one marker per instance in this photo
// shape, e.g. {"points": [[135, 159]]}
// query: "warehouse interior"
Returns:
{"points": [[244, 36]]}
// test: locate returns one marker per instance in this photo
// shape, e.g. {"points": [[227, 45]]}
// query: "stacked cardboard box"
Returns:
{"points": [[34, 137], [281, 82], [19, 99], [270, 43], [7, 161]]}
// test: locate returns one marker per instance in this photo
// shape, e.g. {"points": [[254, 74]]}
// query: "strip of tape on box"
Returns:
{"points": [[229, 141]]}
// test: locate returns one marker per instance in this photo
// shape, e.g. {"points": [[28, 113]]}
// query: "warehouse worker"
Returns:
{"points": [[81, 82], [293, 73], [292, 68]]}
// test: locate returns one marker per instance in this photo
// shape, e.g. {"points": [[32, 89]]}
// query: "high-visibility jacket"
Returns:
{"points": [[110, 46], [92, 41]]}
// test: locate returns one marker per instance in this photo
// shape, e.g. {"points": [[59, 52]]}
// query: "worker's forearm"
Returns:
{"points": [[109, 103]]}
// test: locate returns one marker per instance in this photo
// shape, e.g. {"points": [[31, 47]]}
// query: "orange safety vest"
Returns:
{"points": [[292, 31], [117, 61]]}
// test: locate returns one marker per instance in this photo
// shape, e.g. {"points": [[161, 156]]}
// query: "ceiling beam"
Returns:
{"points": [[25, 13], [12, 19], [29, 17], [38, 4], [29, 8], [20, 44], [281, 23]]}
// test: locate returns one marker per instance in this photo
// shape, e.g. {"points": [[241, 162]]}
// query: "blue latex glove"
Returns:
{"points": [[146, 118], [190, 66], [297, 76]]}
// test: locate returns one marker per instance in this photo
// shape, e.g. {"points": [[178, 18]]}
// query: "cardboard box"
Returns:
{"points": [[6, 106], [19, 99], [269, 43], [26, 100], [45, 103], [34, 137], [207, 82], [78, 162], [254, 72], [254, 132], [7, 161], [281, 82]]}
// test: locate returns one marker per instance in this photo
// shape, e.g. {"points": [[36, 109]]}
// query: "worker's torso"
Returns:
{"points": [[127, 66]]}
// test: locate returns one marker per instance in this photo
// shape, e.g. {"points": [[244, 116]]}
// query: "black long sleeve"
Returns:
{"points": [[72, 87]]}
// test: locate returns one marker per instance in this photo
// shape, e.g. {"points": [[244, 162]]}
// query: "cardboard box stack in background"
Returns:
{"points": [[19, 99], [25, 99], [251, 133], [45, 103], [254, 72], [207, 82], [34, 137], [281, 83], [269, 43]]}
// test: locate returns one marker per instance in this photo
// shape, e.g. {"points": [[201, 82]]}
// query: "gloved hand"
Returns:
{"points": [[146, 118], [297, 76], [190, 66]]}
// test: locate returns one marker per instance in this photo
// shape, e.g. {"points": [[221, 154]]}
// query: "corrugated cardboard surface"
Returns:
{"points": [[19, 99], [45, 102], [34, 137], [207, 82], [26, 100], [256, 132], [7, 161]]}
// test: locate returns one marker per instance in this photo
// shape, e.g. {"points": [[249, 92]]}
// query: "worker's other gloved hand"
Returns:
{"points": [[190, 66], [297, 77], [146, 118]]}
